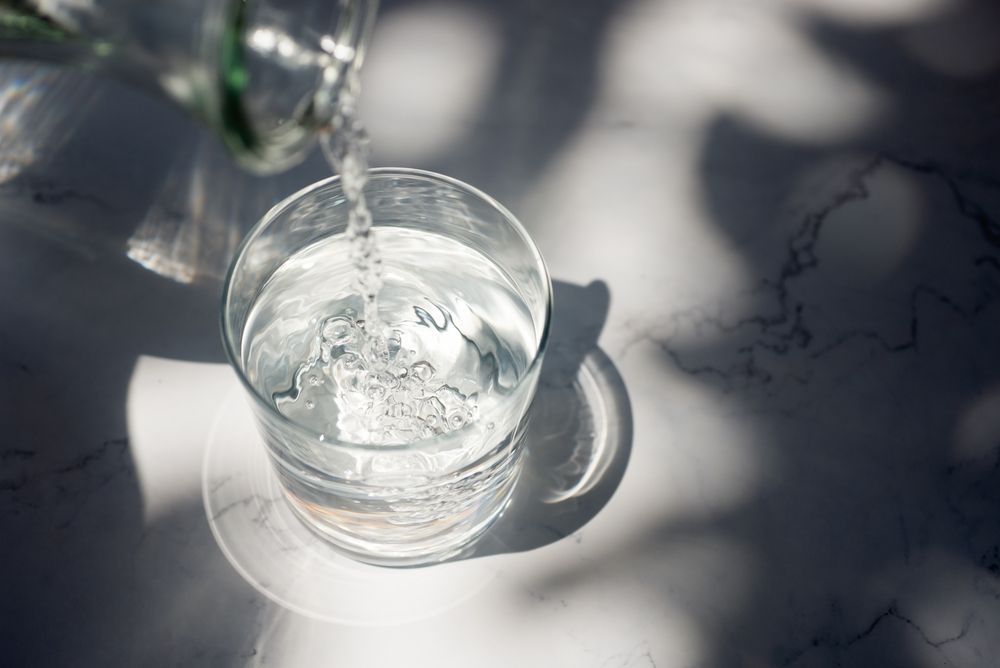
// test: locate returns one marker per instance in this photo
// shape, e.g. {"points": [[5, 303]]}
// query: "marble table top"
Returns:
{"points": [[768, 431]]}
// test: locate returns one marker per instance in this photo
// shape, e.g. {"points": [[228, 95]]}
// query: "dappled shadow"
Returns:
{"points": [[81, 563], [520, 125], [861, 357]]}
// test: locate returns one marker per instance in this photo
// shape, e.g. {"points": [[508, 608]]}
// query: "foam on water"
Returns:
{"points": [[382, 392]]}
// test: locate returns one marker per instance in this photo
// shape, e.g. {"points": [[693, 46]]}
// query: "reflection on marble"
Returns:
{"points": [[793, 205], [205, 206], [38, 107]]}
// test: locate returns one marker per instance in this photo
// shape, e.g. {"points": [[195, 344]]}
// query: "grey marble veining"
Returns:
{"points": [[777, 225]]}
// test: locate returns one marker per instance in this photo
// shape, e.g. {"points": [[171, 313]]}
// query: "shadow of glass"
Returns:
{"points": [[580, 434]]}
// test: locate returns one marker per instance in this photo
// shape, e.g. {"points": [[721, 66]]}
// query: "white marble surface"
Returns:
{"points": [[788, 216]]}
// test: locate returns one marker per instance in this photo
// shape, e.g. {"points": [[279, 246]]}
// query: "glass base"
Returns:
{"points": [[435, 549], [265, 541]]}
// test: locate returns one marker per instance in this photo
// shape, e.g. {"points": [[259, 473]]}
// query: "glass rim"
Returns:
{"points": [[423, 444]]}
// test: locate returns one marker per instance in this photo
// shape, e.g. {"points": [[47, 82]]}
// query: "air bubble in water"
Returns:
{"points": [[432, 406], [394, 342], [386, 379], [450, 398], [337, 330], [399, 410], [349, 361], [422, 371]]}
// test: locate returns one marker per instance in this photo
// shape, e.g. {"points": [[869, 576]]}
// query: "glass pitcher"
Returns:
{"points": [[264, 74]]}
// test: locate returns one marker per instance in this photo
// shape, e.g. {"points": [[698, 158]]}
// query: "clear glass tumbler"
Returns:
{"points": [[465, 303]]}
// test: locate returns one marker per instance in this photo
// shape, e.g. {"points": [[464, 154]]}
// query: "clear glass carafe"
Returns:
{"points": [[264, 74]]}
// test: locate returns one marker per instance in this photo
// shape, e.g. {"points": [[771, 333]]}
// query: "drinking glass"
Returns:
{"points": [[397, 502]]}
